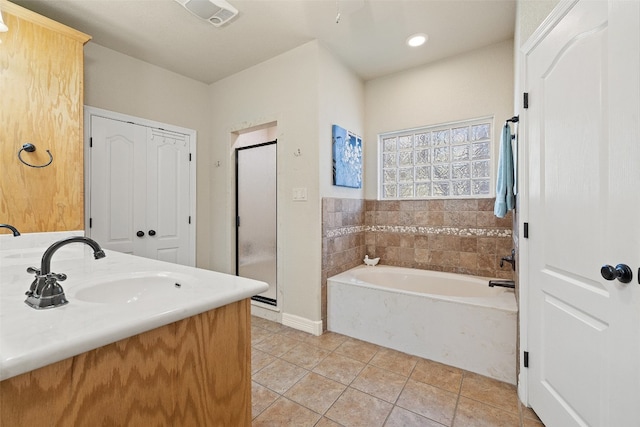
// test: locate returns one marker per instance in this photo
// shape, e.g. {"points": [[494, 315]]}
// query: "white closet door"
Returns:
{"points": [[167, 213], [118, 184], [140, 197]]}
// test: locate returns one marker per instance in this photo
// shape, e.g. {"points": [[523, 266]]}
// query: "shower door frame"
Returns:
{"points": [[258, 298]]}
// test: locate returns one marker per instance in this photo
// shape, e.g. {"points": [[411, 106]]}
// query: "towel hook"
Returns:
{"points": [[30, 148]]}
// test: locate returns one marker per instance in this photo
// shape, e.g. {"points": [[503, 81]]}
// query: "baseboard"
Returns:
{"points": [[302, 324]]}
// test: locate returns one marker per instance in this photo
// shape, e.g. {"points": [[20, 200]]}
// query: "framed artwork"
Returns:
{"points": [[347, 158]]}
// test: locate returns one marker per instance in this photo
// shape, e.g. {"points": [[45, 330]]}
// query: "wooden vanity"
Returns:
{"points": [[41, 76], [194, 372]]}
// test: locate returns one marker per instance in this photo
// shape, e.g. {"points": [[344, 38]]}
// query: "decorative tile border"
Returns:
{"points": [[448, 231]]}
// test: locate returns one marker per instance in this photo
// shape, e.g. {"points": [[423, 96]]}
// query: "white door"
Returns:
{"points": [[118, 184], [583, 136], [140, 199]]}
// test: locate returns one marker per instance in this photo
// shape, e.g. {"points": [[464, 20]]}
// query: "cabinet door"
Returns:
{"points": [[41, 82]]}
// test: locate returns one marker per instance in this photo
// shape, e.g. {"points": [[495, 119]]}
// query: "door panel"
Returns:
{"points": [[168, 201], [116, 199], [577, 319]]}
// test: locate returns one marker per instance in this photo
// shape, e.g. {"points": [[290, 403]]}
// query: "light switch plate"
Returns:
{"points": [[300, 194]]}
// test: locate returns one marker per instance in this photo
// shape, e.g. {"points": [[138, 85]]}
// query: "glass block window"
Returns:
{"points": [[451, 160]]}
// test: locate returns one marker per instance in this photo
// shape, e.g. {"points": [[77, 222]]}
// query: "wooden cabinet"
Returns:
{"points": [[194, 372], [41, 102]]}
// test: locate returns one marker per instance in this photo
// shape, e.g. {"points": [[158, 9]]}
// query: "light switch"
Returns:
{"points": [[300, 194]]}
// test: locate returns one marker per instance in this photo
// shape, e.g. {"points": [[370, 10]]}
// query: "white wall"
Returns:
{"points": [[120, 83], [283, 90], [475, 84], [341, 101], [300, 90]]}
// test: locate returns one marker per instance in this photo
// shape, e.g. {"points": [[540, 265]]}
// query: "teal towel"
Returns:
{"points": [[504, 183]]}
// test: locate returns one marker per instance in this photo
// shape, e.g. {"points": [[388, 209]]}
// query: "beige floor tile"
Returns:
{"points": [[279, 376], [428, 401], [437, 374], [328, 340], [339, 368], [267, 324], [528, 422], [358, 350], [471, 413], [326, 422], [315, 392], [261, 398], [294, 333], [400, 417], [277, 345], [260, 359], [395, 361], [355, 408], [285, 413], [259, 334], [490, 391], [378, 382], [529, 413], [305, 356]]}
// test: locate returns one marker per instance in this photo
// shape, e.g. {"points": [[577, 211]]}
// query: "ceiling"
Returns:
{"points": [[369, 37]]}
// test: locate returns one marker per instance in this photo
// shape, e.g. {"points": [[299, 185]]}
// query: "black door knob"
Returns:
{"points": [[152, 232], [140, 233], [622, 272]]}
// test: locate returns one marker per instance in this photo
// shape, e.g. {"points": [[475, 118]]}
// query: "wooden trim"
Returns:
{"points": [[194, 372], [21, 12]]}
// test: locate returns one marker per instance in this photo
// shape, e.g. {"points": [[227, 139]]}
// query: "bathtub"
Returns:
{"points": [[449, 318]]}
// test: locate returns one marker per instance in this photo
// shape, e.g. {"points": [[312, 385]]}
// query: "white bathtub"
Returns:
{"points": [[449, 318]]}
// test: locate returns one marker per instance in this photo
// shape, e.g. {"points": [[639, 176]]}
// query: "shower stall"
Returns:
{"points": [[256, 216]]}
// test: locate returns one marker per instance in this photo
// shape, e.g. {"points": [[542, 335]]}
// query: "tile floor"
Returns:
{"points": [[333, 380]]}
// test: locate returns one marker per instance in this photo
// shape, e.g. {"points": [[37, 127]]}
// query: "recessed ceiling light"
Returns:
{"points": [[417, 40]]}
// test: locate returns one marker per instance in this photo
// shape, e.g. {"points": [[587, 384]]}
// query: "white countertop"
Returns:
{"points": [[30, 338]]}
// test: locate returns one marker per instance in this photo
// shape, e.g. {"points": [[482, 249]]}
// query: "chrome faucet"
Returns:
{"points": [[45, 291], [14, 230]]}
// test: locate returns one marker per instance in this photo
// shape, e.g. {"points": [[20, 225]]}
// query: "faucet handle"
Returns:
{"points": [[61, 277], [33, 270]]}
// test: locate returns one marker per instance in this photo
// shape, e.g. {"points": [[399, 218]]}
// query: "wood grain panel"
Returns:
{"points": [[41, 76], [195, 372]]}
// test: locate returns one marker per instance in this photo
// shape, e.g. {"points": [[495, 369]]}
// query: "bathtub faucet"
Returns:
{"points": [[502, 283], [511, 259], [14, 230], [45, 291]]}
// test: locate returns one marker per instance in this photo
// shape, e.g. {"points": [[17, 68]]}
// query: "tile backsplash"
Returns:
{"points": [[460, 236]]}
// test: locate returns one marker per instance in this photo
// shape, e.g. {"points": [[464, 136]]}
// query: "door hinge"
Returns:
{"points": [[189, 156], [90, 142], [90, 222], [525, 101], [237, 221], [525, 359], [526, 230], [189, 219]]}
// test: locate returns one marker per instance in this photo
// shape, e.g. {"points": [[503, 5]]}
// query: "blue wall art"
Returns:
{"points": [[347, 158]]}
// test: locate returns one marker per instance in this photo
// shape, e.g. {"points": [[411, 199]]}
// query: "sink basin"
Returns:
{"points": [[135, 287]]}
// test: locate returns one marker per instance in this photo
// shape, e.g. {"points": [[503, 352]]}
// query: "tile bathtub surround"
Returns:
{"points": [[333, 380], [459, 236], [343, 239]]}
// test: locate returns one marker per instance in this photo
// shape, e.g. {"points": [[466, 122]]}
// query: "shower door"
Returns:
{"points": [[256, 216]]}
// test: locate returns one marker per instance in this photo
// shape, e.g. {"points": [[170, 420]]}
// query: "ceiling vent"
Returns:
{"points": [[217, 12]]}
